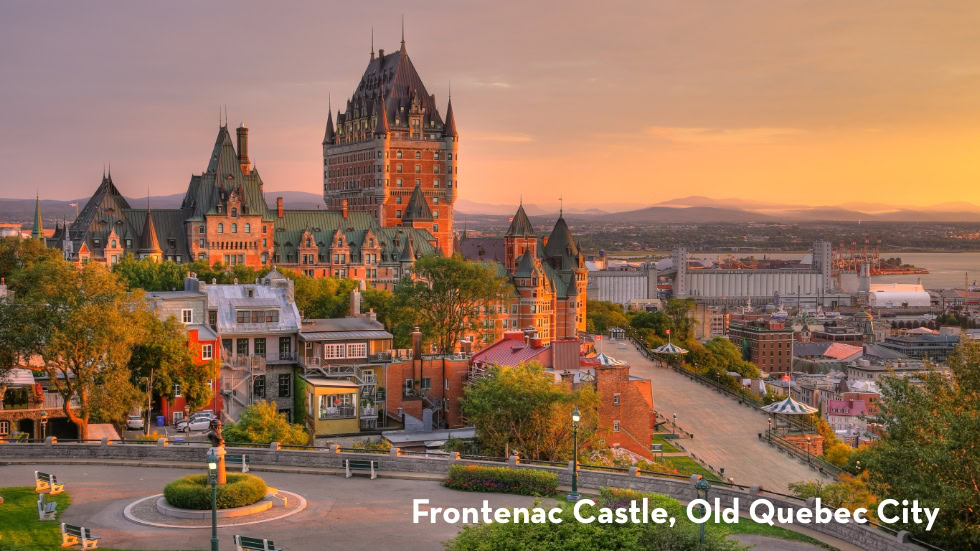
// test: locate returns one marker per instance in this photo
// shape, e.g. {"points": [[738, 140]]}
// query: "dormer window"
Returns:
{"points": [[234, 213], [96, 242], [171, 242], [113, 243], [129, 243]]}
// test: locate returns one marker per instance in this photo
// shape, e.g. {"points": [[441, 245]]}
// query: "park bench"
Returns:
{"points": [[44, 482], [245, 543], [75, 535], [236, 459], [361, 465], [45, 509]]}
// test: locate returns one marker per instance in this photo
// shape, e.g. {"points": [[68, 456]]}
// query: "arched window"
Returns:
{"points": [[234, 228], [248, 228], [221, 228]]}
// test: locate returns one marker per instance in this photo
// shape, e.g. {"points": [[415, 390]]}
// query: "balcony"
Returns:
{"points": [[381, 357], [255, 364], [332, 413], [371, 411]]}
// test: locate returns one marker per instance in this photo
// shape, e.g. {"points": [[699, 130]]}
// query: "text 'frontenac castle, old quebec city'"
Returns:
{"points": [[390, 178]]}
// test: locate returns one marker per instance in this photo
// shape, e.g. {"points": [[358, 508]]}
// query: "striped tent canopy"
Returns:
{"points": [[602, 359], [669, 349], [791, 407]]}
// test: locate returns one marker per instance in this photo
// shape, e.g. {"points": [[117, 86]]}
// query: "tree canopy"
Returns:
{"points": [[261, 423], [521, 408], [164, 357]]}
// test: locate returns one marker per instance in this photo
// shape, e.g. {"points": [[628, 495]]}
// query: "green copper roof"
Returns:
{"points": [[417, 209], [38, 231]]}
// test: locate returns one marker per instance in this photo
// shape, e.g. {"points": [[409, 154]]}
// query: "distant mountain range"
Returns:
{"points": [[683, 210]]}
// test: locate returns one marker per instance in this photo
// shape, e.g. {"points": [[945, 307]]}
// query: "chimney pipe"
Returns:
{"points": [[355, 303], [243, 149], [343, 207], [416, 344], [279, 206]]}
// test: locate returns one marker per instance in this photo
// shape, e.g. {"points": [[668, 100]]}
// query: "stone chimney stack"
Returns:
{"points": [[343, 207], [416, 344], [243, 149], [355, 303], [279, 207]]}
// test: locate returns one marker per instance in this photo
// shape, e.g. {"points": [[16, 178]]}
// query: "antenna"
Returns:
{"points": [[403, 30]]}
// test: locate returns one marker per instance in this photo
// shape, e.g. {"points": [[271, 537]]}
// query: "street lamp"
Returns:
{"points": [[44, 424], [575, 419], [770, 430], [673, 430], [701, 487], [213, 477], [807, 450]]}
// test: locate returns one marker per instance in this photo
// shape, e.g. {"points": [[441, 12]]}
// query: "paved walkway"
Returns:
{"points": [[342, 513], [725, 433]]}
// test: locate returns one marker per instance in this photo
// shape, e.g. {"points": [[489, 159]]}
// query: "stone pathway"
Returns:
{"points": [[725, 433], [145, 511]]}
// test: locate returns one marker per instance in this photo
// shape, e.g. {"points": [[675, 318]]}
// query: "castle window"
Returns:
{"points": [[398, 214], [398, 169], [418, 169], [398, 200], [435, 182], [418, 154], [234, 213], [200, 229], [398, 182], [449, 156], [435, 214], [221, 228], [200, 243], [435, 169], [435, 200], [248, 228], [129, 243], [234, 228], [435, 156], [418, 181], [398, 154], [172, 243], [435, 228], [113, 243]]}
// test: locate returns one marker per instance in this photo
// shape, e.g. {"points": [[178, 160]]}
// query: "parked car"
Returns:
{"points": [[134, 422], [194, 423]]}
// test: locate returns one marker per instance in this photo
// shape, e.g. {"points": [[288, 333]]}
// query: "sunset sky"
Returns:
{"points": [[617, 102]]}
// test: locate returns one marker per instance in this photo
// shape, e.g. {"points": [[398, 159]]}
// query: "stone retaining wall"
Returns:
{"points": [[866, 537]]}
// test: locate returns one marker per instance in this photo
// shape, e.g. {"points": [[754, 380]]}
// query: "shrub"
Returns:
{"points": [[194, 492], [528, 482], [147, 438]]}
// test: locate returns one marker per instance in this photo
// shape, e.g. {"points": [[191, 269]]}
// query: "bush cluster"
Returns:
{"points": [[528, 482], [194, 492]]}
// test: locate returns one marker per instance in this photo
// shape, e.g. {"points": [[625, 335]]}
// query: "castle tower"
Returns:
{"points": [[520, 237], [38, 231], [389, 140]]}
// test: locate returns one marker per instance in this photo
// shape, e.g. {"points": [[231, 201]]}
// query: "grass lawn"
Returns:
{"points": [[668, 447], [19, 527], [688, 465]]}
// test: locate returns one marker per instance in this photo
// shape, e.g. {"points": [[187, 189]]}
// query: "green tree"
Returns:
{"points": [[82, 324], [149, 274], [601, 316], [657, 322], [679, 311], [17, 254], [929, 448], [164, 357], [850, 492], [522, 408], [395, 312], [729, 357], [447, 294], [260, 423]]}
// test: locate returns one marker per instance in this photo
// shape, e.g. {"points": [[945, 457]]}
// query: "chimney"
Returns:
{"points": [[355, 303], [343, 207], [416, 344], [466, 347], [279, 206], [243, 149], [536, 342]]}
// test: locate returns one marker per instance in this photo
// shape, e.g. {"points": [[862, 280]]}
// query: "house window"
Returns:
{"points": [[285, 348], [258, 388], [287, 413], [259, 346], [187, 315], [427, 383], [221, 228], [176, 390], [337, 406], [357, 350], [333, 351], [615, 399], [285, 385], [241, 346], [615, 426], [408, 385], [435, 228], [272, 316], [207, 351], [213, 319]]}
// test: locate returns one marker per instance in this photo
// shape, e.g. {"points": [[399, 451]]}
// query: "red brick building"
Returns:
{"points": [[391, 154], [426, 382], [766, 342]]}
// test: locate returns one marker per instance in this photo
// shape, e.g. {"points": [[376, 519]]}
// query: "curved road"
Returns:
{"points": [[725, 433]]}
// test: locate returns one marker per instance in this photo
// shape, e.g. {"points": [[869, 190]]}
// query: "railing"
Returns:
{"points": [[339, 413], [380, 357], [815, 461], [238, 363]]}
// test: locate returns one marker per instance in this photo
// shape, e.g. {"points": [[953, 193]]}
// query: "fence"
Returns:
{"points": [[873, 538]]}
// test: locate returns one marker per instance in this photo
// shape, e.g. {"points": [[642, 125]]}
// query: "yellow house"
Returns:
{"points": [[332, 406]]}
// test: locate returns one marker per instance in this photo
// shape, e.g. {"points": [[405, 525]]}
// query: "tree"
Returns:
{"points": [[164, 358], [394, 311], [658, 322], [82, 324], [729, 357], [321, 297], [601, 316], [837, 454], [447, 293], [17, 254], [679, 312], [850, 492], [521, 408], [260, 423], [929, 447]]}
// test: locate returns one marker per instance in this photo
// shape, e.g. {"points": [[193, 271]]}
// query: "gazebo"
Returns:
{"points": [[789, 406]]}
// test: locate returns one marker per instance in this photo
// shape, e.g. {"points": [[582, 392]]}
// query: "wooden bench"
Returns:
{"points": [[361, 465], [235, 459], [46, 509], [245, 543], [44, 482], [75, 535]]}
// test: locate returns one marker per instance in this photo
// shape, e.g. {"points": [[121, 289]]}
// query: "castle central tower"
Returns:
{"points": [[390, 149]]}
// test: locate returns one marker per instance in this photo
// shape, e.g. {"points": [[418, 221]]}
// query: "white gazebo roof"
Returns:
{"points": [[791, 407], [669, 349]]}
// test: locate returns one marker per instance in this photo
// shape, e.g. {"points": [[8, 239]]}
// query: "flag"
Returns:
{"points": [[668, 331], [598, 337], [785, 377], [511, 219], [72, 204]]}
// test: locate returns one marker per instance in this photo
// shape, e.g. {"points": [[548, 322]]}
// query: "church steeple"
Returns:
{"points": [[38, 231]]}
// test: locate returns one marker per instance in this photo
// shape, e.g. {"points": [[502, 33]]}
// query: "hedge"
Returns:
{"points": [[528, 482], [194, 492]]}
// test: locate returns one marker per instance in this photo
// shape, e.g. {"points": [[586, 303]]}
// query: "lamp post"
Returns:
{"points": [[213, 477], [770, 430], [575, 419], [701, 487], [673, 430], [44, 424], [807, 450]]}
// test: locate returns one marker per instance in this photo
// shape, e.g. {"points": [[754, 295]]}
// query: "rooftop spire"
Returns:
{"points": [[372, 43], [403, 33], [38, 231]]}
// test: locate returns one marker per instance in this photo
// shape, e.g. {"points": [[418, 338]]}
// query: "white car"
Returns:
{"points": [[194, 423], [134, 422]]}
